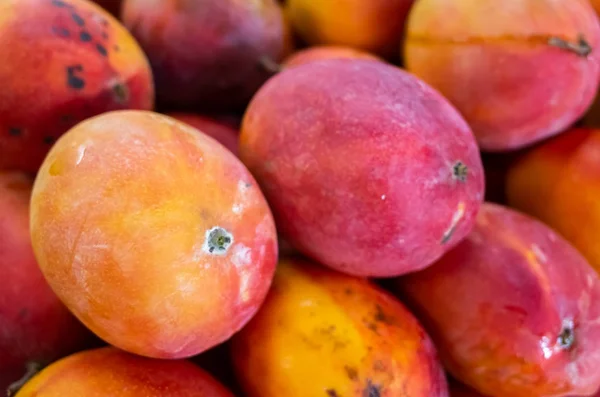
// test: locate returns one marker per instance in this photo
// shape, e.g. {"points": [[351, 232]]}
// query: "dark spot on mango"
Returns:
{"points": [[85, 36], [566, 338], [14, 131], [348, 291], [60, 3], [104, 22], [460, 171], [73, 80], [61, 32], [117, 48], [371, 390], [332, 393], [104, 35], [351, 372], [78, 19], [49, 140], [247, 185], [101, 49], [121, 93], [382, 317]]}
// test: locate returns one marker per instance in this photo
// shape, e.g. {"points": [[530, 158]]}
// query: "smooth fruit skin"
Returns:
{"points": [[154, 235], [519, 71], [322, 333], [318, 53], [209, 54], [79, 62], [222, 131], [111, 372], [367, 169], [34, 325], [514, 309], [376, 26], [559, 183]]}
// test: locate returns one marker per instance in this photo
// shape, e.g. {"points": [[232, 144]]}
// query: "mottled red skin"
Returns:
{"points": [[121, 214], [111, 372], [318, 53], [39, 100], [491, 57], [112, 6], [222, 131], [362, 186], [34, 324], [207, 55], [497, 303]]}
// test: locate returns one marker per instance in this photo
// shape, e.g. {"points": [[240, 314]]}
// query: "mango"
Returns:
{"points": [[154, 235], [558, 183], [220, 130], [318, 53], [367, 169], [321, 333], [375, 26], [208, 55], [79, 62], [110, 372], [514, 309], [519, 71], [35, 327]]}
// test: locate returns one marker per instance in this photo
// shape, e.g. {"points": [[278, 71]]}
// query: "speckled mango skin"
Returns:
{"points": [[500, 307], [500, 64], [321, 333], [208, 55], [79, 62], [367, 169], [318, 53], [34, 324], [121, 215], [558, 182], [110, 372], [375, 26], [222, 131]]}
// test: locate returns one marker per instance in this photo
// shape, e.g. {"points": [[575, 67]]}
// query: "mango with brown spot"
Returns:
{"points": [[63, 61], [324, 334], [514, 309], [519, 71], [111, 372], [153, 234]]}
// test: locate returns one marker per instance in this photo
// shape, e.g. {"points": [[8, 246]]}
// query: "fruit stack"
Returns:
{"points": [[299, 198]]}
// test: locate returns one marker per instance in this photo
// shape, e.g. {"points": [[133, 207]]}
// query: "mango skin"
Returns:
{"points": [[110, 372], [80, 62], [357, 184], [514, 309], [558, 183], [321, 333], [318, 53], [124, 213], [208, 55], [491, 57], [375, 26], [222, 131], [34, 324]]}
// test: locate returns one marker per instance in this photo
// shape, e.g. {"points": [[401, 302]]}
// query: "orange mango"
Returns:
{"points": [[111, 372], [559, 183], [154, 235], [321, 333]]}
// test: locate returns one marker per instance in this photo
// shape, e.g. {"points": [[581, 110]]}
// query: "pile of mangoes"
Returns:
{"points": [[300, 198]]}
